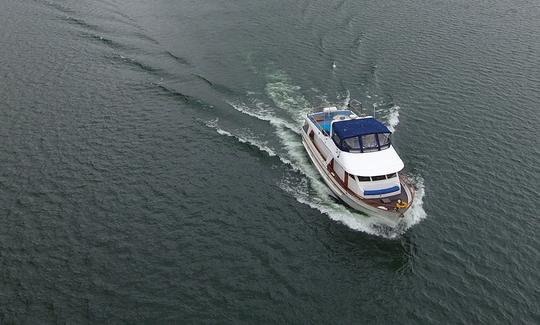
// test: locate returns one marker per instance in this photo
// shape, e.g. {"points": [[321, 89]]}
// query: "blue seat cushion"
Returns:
{"points": [[325, 125], [382, 191]]}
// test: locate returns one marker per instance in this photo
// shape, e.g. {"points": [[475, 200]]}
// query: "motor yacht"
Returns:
{"points": [[356, 159]]}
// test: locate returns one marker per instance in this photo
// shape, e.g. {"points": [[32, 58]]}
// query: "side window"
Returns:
{"points": [[378, 178], [391, 175], [305, 127], [384, 140], [336, 139], [363, 178]]}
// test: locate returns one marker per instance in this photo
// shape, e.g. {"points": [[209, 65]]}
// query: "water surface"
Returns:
{"points": [[152, 169]]}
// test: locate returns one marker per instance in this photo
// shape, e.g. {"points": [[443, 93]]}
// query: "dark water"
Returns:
{"points": [[151, 169]]}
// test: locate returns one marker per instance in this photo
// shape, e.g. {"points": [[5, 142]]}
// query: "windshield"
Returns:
{"points": [[352, 144], [365, 143], [369, 143]]}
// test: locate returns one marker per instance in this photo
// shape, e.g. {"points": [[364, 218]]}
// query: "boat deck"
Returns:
{"points": [[324, 120]]}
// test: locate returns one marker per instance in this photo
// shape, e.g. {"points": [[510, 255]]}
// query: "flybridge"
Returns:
{"points": [[351, 133], [358, 127], [361, 135]]}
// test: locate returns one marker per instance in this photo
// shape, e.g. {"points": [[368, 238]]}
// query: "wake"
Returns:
{"points": [[286, 118]]}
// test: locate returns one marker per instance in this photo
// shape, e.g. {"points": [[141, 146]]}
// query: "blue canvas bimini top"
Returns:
{"points": [[358, 127]]}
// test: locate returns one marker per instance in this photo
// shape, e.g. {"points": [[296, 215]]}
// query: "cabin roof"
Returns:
{"points": [[358, 127]]}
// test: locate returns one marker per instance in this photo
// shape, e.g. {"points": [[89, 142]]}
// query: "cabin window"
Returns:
{"points": [[375, 178], [336, 139], [384, 140], [378, 178], [369, 143], [352, 144]]}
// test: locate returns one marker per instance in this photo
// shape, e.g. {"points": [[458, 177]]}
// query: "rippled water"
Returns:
{"points": [[152, 169]]}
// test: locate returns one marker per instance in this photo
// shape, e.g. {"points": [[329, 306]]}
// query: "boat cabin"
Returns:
{"points": [[365, 163]]}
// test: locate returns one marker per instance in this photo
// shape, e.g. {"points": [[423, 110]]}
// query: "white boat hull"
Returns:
{"points": [[391, 218]]}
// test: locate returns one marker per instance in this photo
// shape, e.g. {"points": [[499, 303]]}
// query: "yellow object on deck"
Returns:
{"points": [[401, 204]]}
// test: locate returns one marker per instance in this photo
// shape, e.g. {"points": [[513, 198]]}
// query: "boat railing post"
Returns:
{"points": [[357, 106]]}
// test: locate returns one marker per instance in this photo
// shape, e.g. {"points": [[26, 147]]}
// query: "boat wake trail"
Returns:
{"points": [[392, 118], [390, 115], [287, 97], [416, 212], [301, 179], [248, 139]]}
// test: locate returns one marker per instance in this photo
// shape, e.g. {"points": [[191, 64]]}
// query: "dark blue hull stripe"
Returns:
{"points": [[383, 191]]}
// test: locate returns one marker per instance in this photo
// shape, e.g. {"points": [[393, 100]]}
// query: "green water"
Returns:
{"points": [[152, 170]]}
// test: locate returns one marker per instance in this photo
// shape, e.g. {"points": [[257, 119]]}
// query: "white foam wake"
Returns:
{"points": [[248, 138], [323, 203], [260, 111], [287, 96], [392, 118], [311, 190], [416, 212]]}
